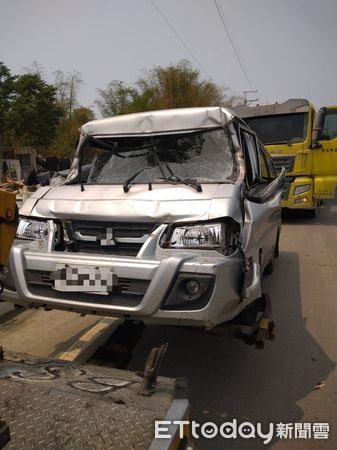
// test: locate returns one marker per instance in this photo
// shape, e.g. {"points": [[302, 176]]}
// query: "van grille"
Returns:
{"points": [[128, 238]]}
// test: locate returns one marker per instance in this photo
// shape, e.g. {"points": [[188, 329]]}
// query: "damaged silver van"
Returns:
{"points": [[170, 217]]}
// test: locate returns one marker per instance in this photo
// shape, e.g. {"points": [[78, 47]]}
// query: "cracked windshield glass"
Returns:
{"points": [[202, 156]]}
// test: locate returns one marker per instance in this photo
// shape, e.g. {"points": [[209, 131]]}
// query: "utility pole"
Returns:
{"points": [[245, 96]]}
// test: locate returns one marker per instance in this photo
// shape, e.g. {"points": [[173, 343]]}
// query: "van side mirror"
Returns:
{"points": [[270, 189]]}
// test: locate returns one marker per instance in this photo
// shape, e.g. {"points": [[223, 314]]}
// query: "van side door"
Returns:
{"points": [[263, 196]]}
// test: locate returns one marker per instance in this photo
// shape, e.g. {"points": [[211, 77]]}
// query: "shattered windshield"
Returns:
{"points": [[203, 156], [280, 129]]}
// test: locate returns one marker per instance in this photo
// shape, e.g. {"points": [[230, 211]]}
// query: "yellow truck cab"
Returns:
{"points": [[285, 129], [302, 142]]}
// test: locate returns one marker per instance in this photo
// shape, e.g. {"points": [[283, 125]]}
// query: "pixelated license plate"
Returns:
{"points": [[99, 280]]}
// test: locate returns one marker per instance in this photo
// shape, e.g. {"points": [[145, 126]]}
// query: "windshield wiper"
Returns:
{"points": [[188, 181], [126, 185], [172, 178]]}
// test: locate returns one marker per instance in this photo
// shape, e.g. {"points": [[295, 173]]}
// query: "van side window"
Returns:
{"points": [[248, 142], [264, 170], [329, 130], [266, 164], [271, 167]]}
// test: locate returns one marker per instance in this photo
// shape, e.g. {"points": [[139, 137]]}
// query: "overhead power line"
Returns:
{"points": [[233, 44], [180, 39]]}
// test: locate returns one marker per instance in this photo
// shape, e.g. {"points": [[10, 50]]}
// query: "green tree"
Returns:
{"points": [[175, 86], [117, 98], [67, 89], [33, 113], [73, 115], [6, 94], [67, 132]]}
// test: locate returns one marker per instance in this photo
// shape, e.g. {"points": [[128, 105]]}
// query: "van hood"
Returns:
{"points": [[165, 203]]}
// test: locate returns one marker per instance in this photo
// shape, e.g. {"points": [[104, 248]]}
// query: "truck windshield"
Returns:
{"points": [[280, 129], [204, 156]]}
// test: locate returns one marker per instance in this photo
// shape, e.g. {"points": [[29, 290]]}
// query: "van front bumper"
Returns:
{"points": [[148, 289]]}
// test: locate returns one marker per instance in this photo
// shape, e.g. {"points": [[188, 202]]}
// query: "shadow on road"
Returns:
{"points": [[228, 380]]}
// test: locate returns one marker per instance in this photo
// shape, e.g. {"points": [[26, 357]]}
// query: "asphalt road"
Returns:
{"points": [[229, 380]]}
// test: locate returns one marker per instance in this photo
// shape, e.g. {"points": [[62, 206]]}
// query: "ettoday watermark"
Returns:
{"points": [[245, 430]]}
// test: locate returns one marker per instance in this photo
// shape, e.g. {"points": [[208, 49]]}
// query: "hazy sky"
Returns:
{"points": [[288, 47]]}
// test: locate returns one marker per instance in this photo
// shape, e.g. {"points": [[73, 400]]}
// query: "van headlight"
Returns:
{"points": [[32, 230], [301, 189], [204, 235]]}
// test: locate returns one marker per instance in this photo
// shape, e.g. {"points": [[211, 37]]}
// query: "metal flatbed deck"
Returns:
{"points": [[55, 404]]}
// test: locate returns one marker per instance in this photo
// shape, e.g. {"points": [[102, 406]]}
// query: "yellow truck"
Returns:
{"points": [[303, 142]]}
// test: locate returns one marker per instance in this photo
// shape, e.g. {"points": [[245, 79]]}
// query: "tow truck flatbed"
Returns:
{"points": [[56, 404]]}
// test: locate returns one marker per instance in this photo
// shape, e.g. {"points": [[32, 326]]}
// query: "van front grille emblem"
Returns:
{"points": [[107, 238]]}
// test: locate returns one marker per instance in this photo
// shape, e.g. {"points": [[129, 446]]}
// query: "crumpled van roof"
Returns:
{"points": [[157, 122]]}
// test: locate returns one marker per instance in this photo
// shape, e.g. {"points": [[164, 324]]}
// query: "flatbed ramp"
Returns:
{"points": [[55, 404]]}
